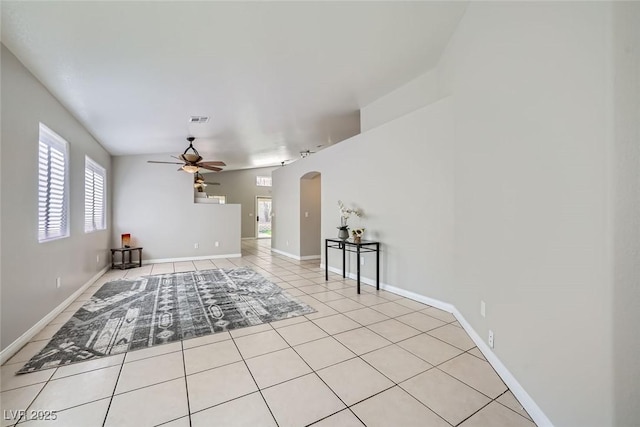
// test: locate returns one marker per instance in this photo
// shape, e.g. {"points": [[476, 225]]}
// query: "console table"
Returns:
{"points": [[350, 246], [123, 257]]}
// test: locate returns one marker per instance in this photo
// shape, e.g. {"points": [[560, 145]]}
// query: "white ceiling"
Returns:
{"points": [[275, 77]]}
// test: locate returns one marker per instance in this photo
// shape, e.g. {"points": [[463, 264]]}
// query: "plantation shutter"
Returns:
{"points": [[94, 196], [53, 215]]}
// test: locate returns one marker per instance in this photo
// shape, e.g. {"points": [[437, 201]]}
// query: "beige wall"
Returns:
{"points": [[523, 195], [404, 189], [625, 160], [29, 268], [239, 187], [155, 204], [529, 83], [310, 215]]}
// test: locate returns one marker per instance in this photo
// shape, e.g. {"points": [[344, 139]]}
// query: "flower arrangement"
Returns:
{"points": [[345, 214]]}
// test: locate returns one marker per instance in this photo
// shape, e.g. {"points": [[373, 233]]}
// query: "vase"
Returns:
{"points": [[343, 233]]}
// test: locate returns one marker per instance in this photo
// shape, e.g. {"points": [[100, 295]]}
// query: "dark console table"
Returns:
{"points": [[123, 256], [349, 245]]}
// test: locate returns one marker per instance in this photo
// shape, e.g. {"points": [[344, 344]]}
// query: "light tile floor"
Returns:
{"points": [[376, 359]]}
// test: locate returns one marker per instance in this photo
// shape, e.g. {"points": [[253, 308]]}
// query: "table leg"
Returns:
{"points": [[358, 263], [344, 271], [113, 265], [140, 257], [326, 260], [377, 266]]}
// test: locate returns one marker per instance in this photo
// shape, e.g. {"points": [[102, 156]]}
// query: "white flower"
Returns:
{"points": [[346, 213]]}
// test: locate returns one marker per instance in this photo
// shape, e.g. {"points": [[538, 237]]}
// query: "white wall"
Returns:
{"points": [[626, 200], [155, 204], [402, 182], [421, 91], [29, 268], [530, 87], [240, 188]]}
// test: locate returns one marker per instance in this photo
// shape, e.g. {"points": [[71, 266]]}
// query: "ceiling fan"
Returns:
{"points": [[199, 182], [191, 162]]}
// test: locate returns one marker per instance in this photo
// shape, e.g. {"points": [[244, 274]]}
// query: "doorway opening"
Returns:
{"points": [[263, 217], [310, 216]]}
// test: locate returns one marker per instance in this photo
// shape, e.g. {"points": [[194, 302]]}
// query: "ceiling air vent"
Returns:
{"points": [[198, 119]]}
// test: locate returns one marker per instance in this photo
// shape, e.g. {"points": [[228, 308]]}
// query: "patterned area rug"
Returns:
{"points": [[131, 314]]}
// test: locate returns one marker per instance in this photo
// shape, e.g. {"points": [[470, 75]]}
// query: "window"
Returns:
{"points": [[95, 178], [53, 186], [263, 181]]}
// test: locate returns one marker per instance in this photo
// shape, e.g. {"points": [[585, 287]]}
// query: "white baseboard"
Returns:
{"points": [[15, 346], [516, 388], [296, 257], [518, 391], [196, 258]]}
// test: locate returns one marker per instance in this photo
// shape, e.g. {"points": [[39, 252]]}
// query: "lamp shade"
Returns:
{"points": [[190, 168]]}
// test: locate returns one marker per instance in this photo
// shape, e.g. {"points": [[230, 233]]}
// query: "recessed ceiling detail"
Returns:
{"points": [[272, 76]]}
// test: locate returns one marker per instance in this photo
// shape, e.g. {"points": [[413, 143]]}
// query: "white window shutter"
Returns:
{"points": [[94, 196], [53, 192]]}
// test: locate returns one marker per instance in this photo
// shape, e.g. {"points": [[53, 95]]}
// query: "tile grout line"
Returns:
{"points": [[395, 384], [115, 386], [33, 400], [502, 394], [432, 365], [186, 384], [254, 381], [313, 371]]}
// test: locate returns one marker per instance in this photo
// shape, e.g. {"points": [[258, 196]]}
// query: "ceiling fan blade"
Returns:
{"points": [[211, 183], [214, 163], [174, 157], [168, 163], [211, 168]]}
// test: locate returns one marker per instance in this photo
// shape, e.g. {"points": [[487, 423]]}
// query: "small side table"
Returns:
{"points": [[123, 264], [345, 246]]}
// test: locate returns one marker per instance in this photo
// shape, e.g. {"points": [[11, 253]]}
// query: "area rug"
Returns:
{"points": [[130, 314]]}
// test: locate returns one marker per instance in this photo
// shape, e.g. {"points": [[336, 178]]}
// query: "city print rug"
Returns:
{"points": [[131, 314]]}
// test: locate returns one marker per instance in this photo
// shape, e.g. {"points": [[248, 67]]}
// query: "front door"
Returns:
{"points": [[263, 217]]}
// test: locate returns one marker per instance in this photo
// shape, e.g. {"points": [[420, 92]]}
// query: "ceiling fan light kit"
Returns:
{"points": [[192, 161], [190, 168]]}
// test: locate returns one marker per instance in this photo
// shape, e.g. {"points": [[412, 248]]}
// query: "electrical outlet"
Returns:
{"points": [[250, 214], [490, 338], [58, 282], [287, 243], [217, 244], [483, 309], [196, 245], [361, 260], [98, 259], [306, 214]]}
